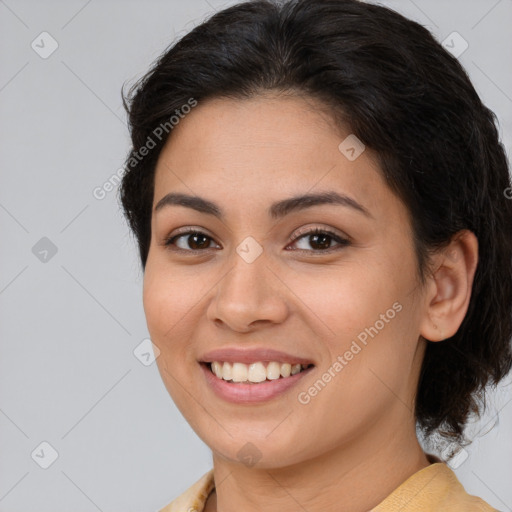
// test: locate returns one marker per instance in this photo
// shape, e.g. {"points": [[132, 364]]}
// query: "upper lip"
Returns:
{"points": [[251, 355]]}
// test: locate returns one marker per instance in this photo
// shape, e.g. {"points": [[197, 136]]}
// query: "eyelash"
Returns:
{"points": [[168, 242]]}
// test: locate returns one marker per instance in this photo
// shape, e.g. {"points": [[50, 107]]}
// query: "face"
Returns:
{"points": [[252, 277]]}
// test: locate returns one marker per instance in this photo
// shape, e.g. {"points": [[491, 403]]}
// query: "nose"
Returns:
{"points": [[248, 295]]}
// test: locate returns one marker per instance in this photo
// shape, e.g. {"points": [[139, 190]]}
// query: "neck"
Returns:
{"points": [[354, 478]]}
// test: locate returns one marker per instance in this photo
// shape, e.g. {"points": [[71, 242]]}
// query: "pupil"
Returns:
{"points": [[324, 237], [194, 238]]}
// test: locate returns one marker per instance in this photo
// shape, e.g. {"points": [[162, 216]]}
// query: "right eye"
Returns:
{"points": [[192, 237]]}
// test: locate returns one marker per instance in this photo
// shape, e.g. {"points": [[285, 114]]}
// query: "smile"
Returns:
{"points": [[255, 372], [252, 383]]}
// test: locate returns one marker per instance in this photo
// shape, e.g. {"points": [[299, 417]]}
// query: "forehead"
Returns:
{"points": [[261, 147]]}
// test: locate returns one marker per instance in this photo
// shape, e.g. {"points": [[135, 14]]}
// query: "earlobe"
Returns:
{"points": [[449, 291]]}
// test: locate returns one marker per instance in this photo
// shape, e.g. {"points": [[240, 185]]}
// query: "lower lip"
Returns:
{"points": [[242, 393]]}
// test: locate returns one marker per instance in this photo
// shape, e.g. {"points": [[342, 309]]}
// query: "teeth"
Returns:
{"points": [[296, 368], [227, 372], [273, 371], [286, 370], [255, 372], [217, 369], [240, 372]]}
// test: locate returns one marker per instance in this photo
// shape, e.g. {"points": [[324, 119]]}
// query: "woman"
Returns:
{"points": [[320, 202]]}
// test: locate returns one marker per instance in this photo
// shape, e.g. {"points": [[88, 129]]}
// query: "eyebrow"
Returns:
{"points": [[276, 211]]}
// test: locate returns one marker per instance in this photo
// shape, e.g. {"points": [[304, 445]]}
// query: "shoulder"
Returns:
{"points": [[194, 498], [433, 489]]}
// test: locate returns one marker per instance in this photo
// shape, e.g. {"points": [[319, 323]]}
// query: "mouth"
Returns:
{"points": [[254, 373], [252, 383]]}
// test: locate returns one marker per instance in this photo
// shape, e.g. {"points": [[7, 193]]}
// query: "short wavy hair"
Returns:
{"points": [[403, 95]]}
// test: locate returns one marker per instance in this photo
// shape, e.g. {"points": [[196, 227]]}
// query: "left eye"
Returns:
{"points": [[322, 238]]}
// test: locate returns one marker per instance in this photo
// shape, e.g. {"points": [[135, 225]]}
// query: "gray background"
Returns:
{"points": [[69, 324]]}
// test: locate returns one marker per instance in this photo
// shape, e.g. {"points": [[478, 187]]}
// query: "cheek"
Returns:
{"points": [[168, 302], [168, 307], [345, 299], [374, 359], [365, 314]]}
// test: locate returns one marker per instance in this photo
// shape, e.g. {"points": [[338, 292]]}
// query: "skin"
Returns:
{"points": [[355, 441]]}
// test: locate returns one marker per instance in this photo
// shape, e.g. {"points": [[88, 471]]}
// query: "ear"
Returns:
{"points": [[449, 287]]}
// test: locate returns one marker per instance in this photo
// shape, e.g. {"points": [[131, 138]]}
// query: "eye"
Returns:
{"points": [[195, 240], [321, 238]]}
